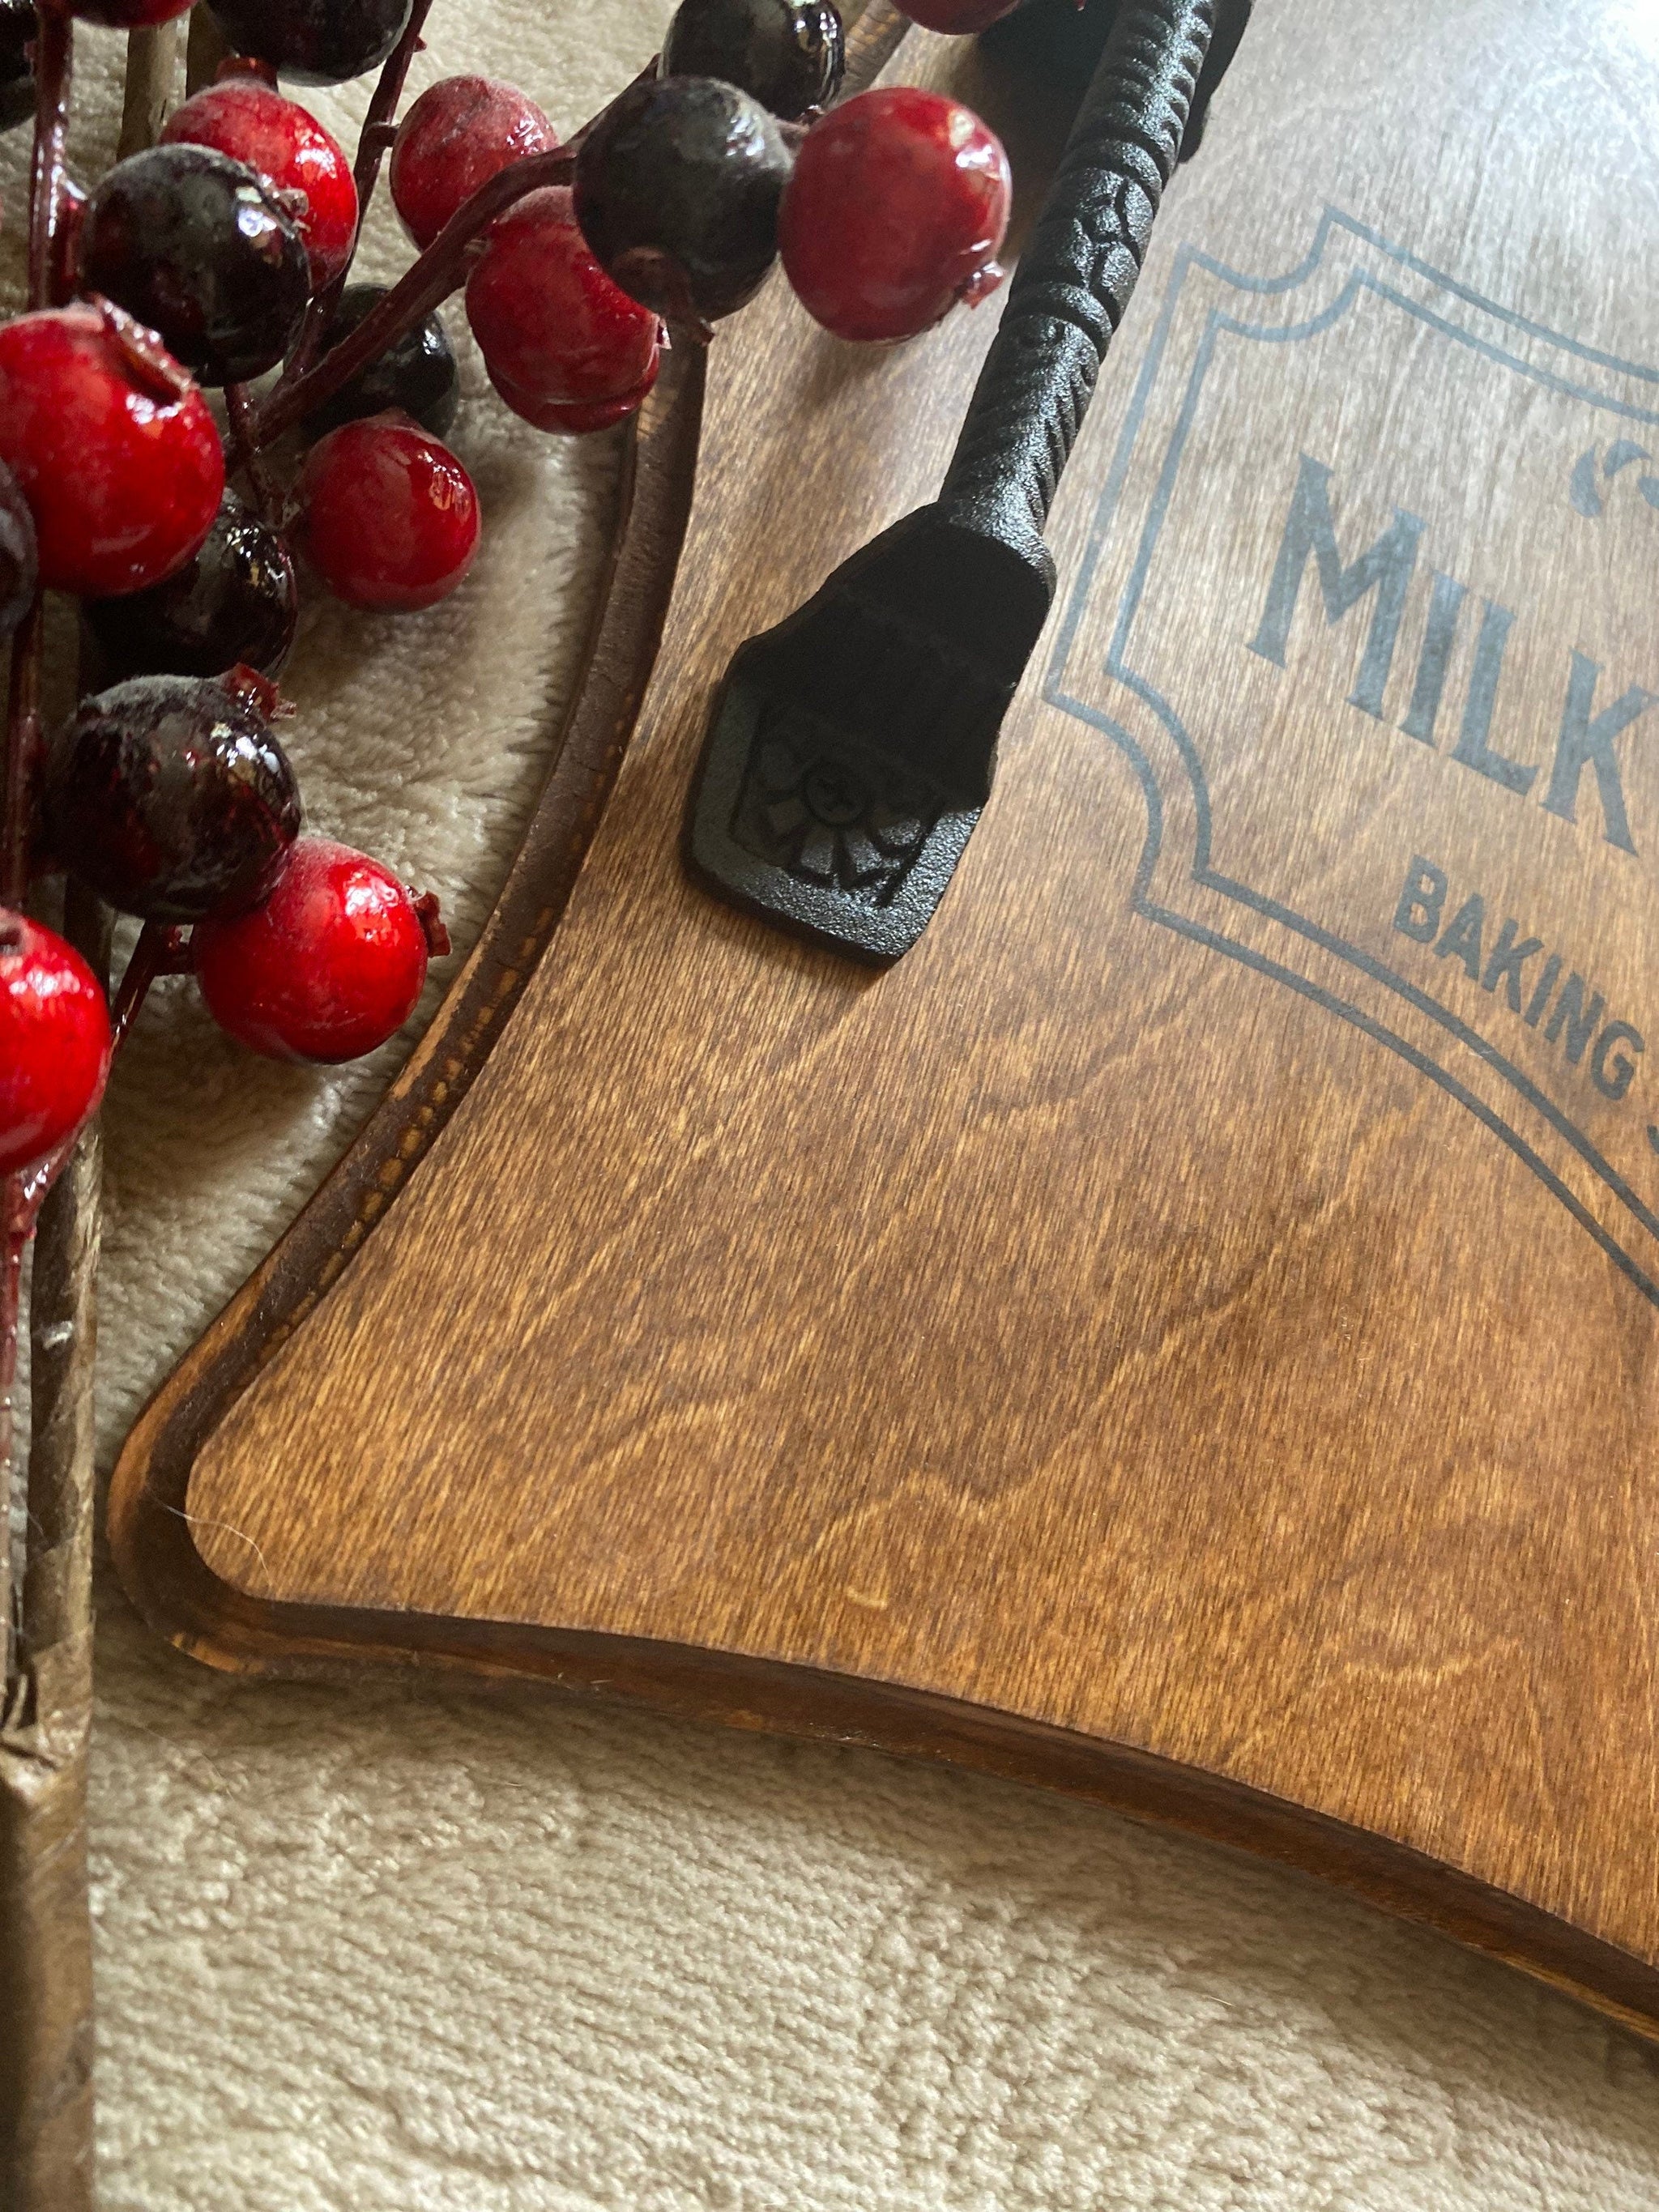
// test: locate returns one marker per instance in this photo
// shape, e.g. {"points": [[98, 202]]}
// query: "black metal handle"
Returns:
{"points": [[852, 746], [1076, 276]]}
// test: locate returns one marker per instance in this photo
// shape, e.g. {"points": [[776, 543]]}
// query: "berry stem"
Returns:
{"points": [[19, 1198], [240, 414], [45, 1625], [46, 1950], [441, 269], [206, 52], [22, 757], [54, 68], [152, 60], [161, 950], [14, 1233], [372, 144], [54, 61]]}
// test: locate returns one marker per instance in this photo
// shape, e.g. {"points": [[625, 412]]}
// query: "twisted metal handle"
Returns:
{"points": [[1076, 276]]}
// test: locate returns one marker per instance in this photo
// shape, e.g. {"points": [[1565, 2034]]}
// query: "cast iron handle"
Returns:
{"points": [[852, 747], [1077, 274]]}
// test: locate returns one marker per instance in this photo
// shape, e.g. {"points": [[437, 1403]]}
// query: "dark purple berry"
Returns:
{"points": [[417, 374], [787, 54], [677, 191], [234, 603], [171, 797], [318, 41], [195, 247], [18, 26], [20, 557]]}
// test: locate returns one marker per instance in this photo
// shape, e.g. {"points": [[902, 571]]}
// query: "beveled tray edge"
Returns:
{"points": [[654, 507], [212, 1622]]}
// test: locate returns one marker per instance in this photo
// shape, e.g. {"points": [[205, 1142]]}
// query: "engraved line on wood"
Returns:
{"points": [[1360, 282]]}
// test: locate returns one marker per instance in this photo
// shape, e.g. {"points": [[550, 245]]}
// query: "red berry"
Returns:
{"points": [[129, 15], [552, 324], [54, 1042], [330, 967], [112, 445], [390, 516], [456, 136], [958, 18], [573, 419], [896, 211], [285, 144]]}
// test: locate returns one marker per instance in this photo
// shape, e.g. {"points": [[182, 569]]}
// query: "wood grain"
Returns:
{"points": [[1179, 1335]]}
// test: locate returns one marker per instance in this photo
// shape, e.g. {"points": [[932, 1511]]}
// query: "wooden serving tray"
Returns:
{"points": [[1188, 1333]]}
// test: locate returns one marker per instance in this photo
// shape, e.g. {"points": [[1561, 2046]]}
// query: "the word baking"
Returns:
{"points": [[1502, 961], [1588, 733]]}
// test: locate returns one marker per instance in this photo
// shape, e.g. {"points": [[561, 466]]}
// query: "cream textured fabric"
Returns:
{"points": [[426, 1949]]}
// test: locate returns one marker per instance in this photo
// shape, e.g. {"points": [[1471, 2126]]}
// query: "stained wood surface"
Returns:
{"points": [[1187, 1332]]}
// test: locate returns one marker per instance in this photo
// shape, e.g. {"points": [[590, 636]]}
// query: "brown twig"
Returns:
{"points": [[45, 1940], [161, 951], [152, 63], [206, 52], [240, 414], [22, 757], [373, 143], [14, 1243], [54, 66], [441, 269], [45, 1929], [54, 59]]}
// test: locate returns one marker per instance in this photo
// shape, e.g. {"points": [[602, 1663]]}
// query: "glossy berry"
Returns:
{"points": [[552, 324], [284, 144], [318, 41], [330, 967], [897, 210], [956, 18], [20, 556], [677, 190], [787, 54], [575, 418], [54, 1042], [458, 136], [171, 796], [196, 247], [417, 373], [129, 15], [389, 516], [18, 27], [111, 444], [234, 605]]}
